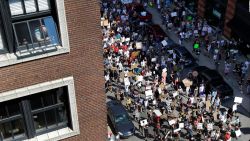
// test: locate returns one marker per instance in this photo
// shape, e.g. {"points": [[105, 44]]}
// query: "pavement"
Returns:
{"points": [[231, 79]]}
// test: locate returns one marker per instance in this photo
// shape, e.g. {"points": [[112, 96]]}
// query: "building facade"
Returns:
{"points": [[232, 16], [51, 72]]}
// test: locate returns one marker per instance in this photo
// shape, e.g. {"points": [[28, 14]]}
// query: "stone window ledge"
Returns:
{"points": [[11, 58]]}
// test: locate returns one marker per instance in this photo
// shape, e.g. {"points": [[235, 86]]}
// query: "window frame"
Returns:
{"points": [[10, 55], [62, 131]]}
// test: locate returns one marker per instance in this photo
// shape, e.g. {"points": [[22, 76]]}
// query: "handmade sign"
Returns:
{"points": [[138, 45], [143, 122], [157, 112], [173, 14], [209, 126], [126, 1], [164, 43], [175, 93], [181, 125], [208, 104], [144, 13], [200, 126], [153, 59], [177, 130], [149, 94], [238, 133], [234, 107], [238, 99], [171, 122]]}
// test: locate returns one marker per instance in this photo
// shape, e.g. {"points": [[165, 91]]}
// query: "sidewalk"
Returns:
{"points": [[205, 61]]}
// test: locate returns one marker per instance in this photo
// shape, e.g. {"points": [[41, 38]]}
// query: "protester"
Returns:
{"points": [[149, 79]]}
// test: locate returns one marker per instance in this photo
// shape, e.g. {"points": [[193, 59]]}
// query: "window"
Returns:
{"points": [[30, 26], [33, 115]]}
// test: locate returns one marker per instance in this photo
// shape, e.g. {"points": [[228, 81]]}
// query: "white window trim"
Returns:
{"points": [[11, 59], [34, 89]]}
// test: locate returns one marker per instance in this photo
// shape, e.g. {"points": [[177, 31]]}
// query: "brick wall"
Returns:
{"points": [[230, 11], [84, 62]]}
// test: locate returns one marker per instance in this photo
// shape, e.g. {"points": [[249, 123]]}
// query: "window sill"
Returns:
{"points": [[55, 135], [29, 55]]}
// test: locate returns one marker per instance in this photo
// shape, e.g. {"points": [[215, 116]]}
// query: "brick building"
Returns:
{"points": [[232, 16], [51, 72]]}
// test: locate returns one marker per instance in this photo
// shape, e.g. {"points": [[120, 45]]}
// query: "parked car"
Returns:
{"points": [[183, 54], [157, 32], [214, 79], [120, 119]]}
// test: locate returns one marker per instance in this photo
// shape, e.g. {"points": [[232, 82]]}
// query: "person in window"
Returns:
{"points": [[41, 33]]}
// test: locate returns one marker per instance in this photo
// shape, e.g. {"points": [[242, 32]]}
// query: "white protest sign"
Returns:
{"points": [[177, 130], [181, 125], [140, 78], [238, 99], [157, 112], [200, 126], [143, 122], [238, 133], [153, 59], [209, 126], [138, 45], [192, 99], [149, 94], [173, 14], [164, 43], [175, 93], [234, 107], [126, 1], [148, 87], [144, 13], [171, 122]]}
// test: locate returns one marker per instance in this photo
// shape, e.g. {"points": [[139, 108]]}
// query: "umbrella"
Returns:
{"points": [[195, 73], [187, 82]]}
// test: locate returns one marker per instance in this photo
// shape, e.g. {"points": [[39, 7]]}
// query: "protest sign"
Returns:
{"points": [[175, 93], [143, 122], [209, 126], [200, 126], [164, 43], [171, 122], [234, 107], [177, 130], [238, 99], [238, 133], [173, 14], [208, 104], [181, 125], [138, 45], [149, 94], [157, 112]]}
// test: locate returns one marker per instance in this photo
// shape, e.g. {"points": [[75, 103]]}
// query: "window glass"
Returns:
{"points": [[39, 121], [51, 117], [16, 7], [1, 41], [49, 30], [35, 102], [3, 113], [13, 108], [61, 115], [43, 5], [12, 129], [22, 34], [30, 6], [48, 99]]}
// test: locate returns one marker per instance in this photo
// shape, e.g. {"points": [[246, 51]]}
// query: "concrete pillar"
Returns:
{"points": [[230, 11], [201, 8]]}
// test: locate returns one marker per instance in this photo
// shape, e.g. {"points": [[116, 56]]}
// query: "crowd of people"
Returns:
{"points": [[144, 74]]}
